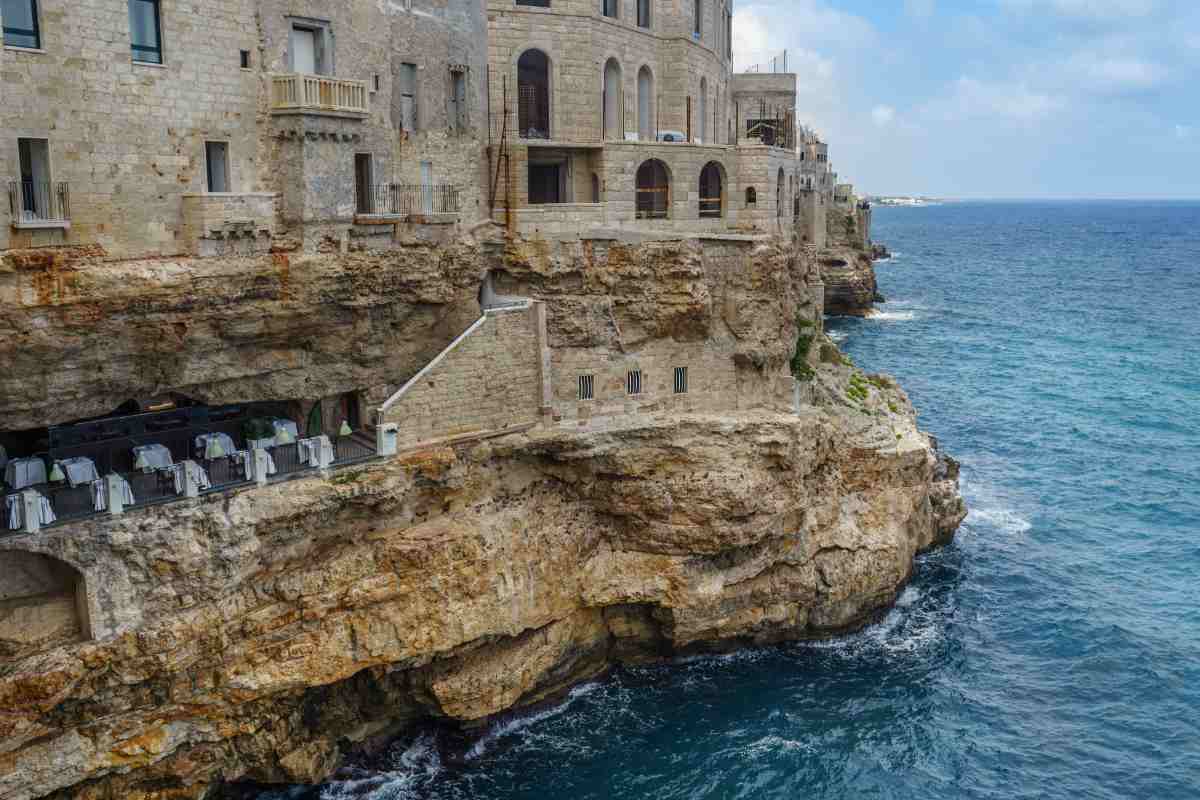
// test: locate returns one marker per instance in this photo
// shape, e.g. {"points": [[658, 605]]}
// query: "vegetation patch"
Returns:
{"points": [[858, 391], [801, 369]]}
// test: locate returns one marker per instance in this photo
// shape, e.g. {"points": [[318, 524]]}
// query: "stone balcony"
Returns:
{"points": [[296, 93]]}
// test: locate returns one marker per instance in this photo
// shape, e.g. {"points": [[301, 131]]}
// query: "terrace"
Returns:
{"points": [[126, 462]]}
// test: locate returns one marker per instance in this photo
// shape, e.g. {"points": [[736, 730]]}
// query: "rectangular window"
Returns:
{"points": [[216, 157], [689, 118], [145, 31], [696, 17], [363, 197], [245, 59], [609, 8], [538, 3], [643, 13], [587, 387], [408, 97], [458, 100], [633, 382], [308, 48], [681, 380], [21, 23]]}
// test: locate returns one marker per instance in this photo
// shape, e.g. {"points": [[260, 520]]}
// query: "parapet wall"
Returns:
{"points": [[488, 380]]}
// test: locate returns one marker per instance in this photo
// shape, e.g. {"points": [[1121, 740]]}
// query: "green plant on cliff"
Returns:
{"points": [[858, 391], [801, 369]]}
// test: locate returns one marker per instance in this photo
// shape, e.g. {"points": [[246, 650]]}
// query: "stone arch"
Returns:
{"points": [[647, 130], [712, 190], [614, 101], [534, 94], [43, 604], [653, 190], [703, 109]]}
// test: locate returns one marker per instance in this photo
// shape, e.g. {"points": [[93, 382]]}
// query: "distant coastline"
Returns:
{"points": [[905, 201]]}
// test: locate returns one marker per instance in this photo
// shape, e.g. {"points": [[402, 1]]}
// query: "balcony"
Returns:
{"points": [[39, 204], [295, 93], [398, 200]]}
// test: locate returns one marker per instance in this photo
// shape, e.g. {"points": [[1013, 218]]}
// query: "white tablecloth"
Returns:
{"points": [[15, 508], [12, 507], [261, 444], [22, 472], [223, 439], [100, 494], [199, 475], [157, 456], [247, 457], [279, 424], [79, 470]]}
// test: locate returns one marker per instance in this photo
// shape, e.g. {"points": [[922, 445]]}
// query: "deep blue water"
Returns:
{"points": [[1053, 651]]}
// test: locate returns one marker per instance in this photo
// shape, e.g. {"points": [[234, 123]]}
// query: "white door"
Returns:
{"points": [[304, 51]]}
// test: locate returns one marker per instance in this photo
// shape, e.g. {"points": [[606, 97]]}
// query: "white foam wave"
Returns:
{"points": [[1005, 519], [517, 724], [892, 316], [909, 627], [837, 336], [771, 745]]}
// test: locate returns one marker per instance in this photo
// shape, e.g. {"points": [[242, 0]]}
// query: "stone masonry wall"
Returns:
{"points": [[489, 379]]}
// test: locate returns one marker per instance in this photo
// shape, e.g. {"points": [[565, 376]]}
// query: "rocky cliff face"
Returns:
{"points": [[263, 634], [846, 269]]}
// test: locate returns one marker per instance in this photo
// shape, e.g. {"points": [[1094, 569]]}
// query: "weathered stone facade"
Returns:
{"points": [[129, 138]]}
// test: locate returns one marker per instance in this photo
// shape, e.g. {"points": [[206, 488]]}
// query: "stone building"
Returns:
{"points": [[159, 128], [627, 114]]}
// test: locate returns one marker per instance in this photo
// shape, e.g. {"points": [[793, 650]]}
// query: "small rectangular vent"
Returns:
{"points": [[633, 382], [245, 59], [681, 380], [587, 387]]}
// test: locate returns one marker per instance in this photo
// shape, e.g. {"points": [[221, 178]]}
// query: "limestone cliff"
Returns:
{"points": [[846, 269], [261, 634]]}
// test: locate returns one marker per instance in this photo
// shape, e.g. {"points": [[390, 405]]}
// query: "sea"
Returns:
{"points": [[1051, 651]]}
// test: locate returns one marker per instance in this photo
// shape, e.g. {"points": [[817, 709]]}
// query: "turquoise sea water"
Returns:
{"points": [[1053, 651]]}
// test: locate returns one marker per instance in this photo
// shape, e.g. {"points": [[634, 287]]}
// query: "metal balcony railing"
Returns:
{"points": [[39, 202], [320, 93], [402, 200]]}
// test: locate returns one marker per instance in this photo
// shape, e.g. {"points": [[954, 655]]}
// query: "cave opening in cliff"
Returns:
{"points": [[43, 604]]}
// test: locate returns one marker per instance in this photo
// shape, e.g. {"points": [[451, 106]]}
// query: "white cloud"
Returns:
{"points": [[882, 115], [971, 99], [1097, 10], [920, 9], [1098, 73]]}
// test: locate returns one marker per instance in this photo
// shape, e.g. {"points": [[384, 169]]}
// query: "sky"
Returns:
{"points": [[993, 98]]}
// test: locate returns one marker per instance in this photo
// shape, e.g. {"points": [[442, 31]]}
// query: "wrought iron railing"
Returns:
{"points": [[39, 201], [402, 200], [348, 449], [298, 92]]}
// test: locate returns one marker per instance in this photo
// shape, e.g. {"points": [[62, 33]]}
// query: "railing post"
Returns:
{"points": [[31, 511], [259, 465], [190, 487], [114, 493], [324, 452]]}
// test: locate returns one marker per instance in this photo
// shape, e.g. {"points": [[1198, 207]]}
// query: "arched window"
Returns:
{"points": [[751, 196], [712, 191], [613, 101], [779, 196], [653, 190], [703, 126], [533, 95], [646, 127]]}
